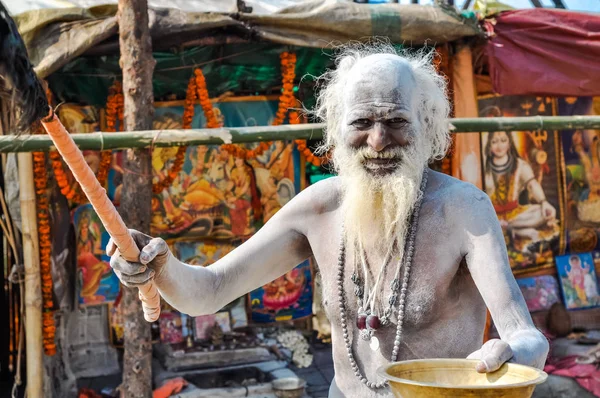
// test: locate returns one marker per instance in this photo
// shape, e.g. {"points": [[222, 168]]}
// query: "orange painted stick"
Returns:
{"points": [[107, 213]]}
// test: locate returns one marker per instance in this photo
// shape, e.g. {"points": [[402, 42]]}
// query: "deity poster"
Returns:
{"points": [[96, 281], [521, 175], [540, 292], [217, 195], [581, 154], [202, 253], [578, 280], [288, 297]]}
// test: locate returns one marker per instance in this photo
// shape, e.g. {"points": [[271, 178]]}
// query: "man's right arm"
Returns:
{"points": [[275, 249]]}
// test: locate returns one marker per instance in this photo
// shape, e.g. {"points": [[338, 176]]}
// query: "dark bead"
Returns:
{"points": [[361, 321], [373, 322]]}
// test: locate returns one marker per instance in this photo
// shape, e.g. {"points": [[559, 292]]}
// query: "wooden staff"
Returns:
{"points": [[107, 213]]}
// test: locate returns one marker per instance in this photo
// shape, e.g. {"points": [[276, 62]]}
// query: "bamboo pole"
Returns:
{"points": [[33, 283], [240, 135]]}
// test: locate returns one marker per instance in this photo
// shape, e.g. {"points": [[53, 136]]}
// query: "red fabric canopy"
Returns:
{"points": [[545, 52]]}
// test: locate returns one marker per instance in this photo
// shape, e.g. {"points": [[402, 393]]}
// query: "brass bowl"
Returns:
{"points": [[453, 378]]}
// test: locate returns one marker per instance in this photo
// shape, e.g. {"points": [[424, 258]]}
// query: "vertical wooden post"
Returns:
{"points": [[33, 280], [137, 65]]}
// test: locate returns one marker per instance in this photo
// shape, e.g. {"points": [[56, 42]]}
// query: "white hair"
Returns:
{"points": [[431, 102]]}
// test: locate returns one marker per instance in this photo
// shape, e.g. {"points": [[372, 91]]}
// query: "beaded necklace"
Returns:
{"points": [[407, 262]]}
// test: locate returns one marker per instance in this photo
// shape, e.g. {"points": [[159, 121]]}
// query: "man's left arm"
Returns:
{"points": [[487, 260]]}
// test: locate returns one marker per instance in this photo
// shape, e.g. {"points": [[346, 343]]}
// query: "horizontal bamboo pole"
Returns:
{"points": [[167, 138]]}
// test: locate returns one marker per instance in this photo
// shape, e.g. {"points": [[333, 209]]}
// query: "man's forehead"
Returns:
{"points": [[380, 77]]}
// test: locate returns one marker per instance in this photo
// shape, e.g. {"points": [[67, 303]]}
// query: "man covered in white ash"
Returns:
{"points": [[409, 257]]}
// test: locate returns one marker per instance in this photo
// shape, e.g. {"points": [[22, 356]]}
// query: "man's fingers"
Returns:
{"points": [[140, 238], [111, 247], [118, 263], [493, 355], [135, 280], [155, 247]]}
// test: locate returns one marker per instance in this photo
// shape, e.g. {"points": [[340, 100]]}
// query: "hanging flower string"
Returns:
{"points": [[114, 111], [303, 147], [188, 116], [286, 101], [40, 181], [71, 192]]}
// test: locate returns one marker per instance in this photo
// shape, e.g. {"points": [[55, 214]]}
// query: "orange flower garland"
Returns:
{"points": [[188, 115], [303, 148], [114, 110], [286, 101], [45, 247], [59, 173]]}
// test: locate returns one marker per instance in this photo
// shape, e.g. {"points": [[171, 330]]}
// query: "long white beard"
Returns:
{"points": [[376, 209]]}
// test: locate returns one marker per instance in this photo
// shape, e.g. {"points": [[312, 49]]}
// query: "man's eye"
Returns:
{"points": [[396, 122], [361, 123]]}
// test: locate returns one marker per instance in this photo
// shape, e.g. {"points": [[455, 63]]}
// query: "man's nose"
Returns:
{"points": [[379, 138], [382, 136]]}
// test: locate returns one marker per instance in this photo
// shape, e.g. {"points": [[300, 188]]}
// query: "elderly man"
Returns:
{"points": [[409, 258]]}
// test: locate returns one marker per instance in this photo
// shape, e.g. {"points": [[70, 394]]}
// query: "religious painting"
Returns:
{"points": [[217, 195], [171, 330], [578, 280], [96, 282], [522, 178], [203, 326], [540, 292], [288, 297], [202, 253], [581, 156]]}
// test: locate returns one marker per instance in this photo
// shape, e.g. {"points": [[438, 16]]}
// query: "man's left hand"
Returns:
{"points": [[492, 355]]}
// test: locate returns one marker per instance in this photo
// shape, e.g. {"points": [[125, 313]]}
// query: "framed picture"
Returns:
{"points": [[203, 325], [521, 175], [287, 298], [577, 275], [540, 292], [96, 282], [171, 331]]}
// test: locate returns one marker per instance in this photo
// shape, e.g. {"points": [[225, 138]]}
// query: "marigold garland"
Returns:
{"points": [[188, 116], [40, 181], [71, 192], [286, 101], [114, 111], [303, 147]]}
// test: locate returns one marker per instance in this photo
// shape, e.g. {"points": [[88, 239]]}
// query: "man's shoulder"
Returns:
{"points": [[455, 194], [321, 197]]}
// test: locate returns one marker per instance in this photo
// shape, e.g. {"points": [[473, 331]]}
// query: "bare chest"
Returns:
{"points": [[439, 282]]}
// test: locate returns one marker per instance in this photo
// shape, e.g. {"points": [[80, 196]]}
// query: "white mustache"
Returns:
{"points": [[367, 153]]}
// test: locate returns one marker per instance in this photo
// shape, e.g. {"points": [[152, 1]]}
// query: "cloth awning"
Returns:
{"points": [[54, 37], [545, 52]]}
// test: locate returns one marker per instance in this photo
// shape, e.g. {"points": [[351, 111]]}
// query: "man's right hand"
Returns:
{"points": [[154, 256]]}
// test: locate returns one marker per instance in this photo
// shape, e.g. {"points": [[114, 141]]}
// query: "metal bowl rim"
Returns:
{"points": [[382, 372]]}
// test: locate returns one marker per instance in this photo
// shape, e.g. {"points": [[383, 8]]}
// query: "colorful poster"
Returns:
{"points": [[96, 282], [540, 292], [203, 326], [581, 154], [216, 194], [522, 178], [171, 331], [288, 297], [578, 280], [202, 253]]}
